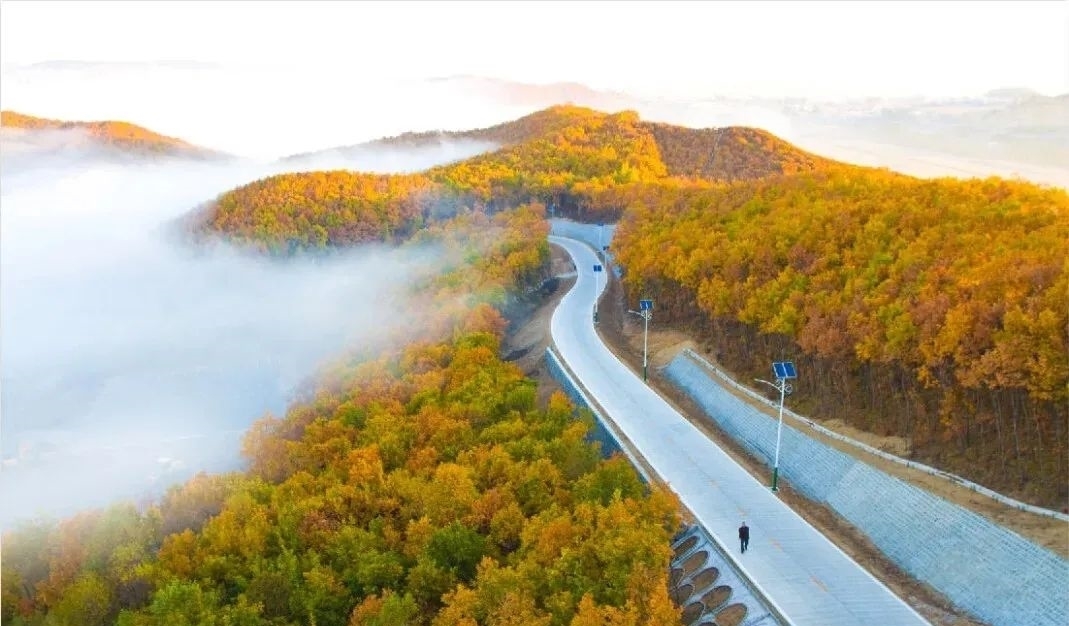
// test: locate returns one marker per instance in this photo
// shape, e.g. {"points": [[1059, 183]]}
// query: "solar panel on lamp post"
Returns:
{"points": [[645, 311], [783, 370]]}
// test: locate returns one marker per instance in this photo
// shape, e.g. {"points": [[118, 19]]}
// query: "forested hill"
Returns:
{"points": [[933, 310], [733, 153], [714, 154], [311, 211], [928, 309], [423, 484], [570, 158], [117, 136]]}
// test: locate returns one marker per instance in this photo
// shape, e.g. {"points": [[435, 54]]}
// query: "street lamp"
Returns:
{"points": [[597, 271], [783, 370], [645, 311]]}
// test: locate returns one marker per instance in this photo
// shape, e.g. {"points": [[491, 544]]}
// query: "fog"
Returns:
{"points": [[129, 360], [387, 158]]}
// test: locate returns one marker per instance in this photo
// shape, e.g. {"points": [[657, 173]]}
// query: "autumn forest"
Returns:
{"points": [[421, 482]]}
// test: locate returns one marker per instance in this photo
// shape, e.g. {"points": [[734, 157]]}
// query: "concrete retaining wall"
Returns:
{"points": [[984, 569]]}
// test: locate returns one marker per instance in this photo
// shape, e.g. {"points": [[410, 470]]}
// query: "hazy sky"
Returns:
{"points": [[819, 49]]}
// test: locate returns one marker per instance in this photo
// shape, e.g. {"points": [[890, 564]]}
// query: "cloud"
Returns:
{"points": [[120, 347]]}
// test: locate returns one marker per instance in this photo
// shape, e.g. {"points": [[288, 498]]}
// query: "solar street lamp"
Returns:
{"points": [[645, 311], [783, 371]]}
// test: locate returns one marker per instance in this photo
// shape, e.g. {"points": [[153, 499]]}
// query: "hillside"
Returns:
{"points": [[733, 153], [121, 137], [430, 484], [288, 212], [730, 153], [932, 310], [945, 294], [420, 484], [569, 158]]}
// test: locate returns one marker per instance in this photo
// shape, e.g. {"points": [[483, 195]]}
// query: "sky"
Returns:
{"points": [[813, 49]]}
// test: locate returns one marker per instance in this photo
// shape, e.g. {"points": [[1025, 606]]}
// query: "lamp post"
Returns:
{"points": [[645, 311], [783, 371], [597, 272]]}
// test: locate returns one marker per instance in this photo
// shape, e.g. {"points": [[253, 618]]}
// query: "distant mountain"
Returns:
{"points": [[1033, 111], [574, 160], [730, 153], [116, 138], [1012, 93], [1009, 129]]}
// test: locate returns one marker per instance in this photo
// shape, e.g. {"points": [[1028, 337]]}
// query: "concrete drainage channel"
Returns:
{"points": [[708, 588], [702, 581]]}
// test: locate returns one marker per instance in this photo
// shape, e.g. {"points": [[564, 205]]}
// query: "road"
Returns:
{"points": [[803, 575]]}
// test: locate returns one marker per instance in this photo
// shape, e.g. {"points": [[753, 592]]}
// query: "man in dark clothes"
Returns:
{"points": [[744, 536]]}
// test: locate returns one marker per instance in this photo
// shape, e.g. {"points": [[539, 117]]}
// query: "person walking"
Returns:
{"points": [[744, 536]]}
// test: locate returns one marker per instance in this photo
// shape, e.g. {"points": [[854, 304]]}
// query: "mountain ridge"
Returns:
{"points": [[692, 152], [114, 135]]}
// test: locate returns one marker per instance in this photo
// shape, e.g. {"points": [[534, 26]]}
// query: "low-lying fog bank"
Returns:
{"points": [[128, 361]]}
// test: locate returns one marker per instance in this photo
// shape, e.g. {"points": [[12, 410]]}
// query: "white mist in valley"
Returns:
{"points": [[130, 360]]}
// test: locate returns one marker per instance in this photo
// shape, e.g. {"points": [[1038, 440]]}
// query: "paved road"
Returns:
{"points": [[806, 577]]}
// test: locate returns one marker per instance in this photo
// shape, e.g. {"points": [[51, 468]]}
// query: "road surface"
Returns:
{"points": [[803, 575]]}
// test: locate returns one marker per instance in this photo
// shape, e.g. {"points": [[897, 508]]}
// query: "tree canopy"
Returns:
{"points": [[946, 294], [566, 157], [418, 485], [955, 289]]}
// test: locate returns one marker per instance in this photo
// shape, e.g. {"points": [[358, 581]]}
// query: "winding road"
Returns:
{"points": [[802, 574]]}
